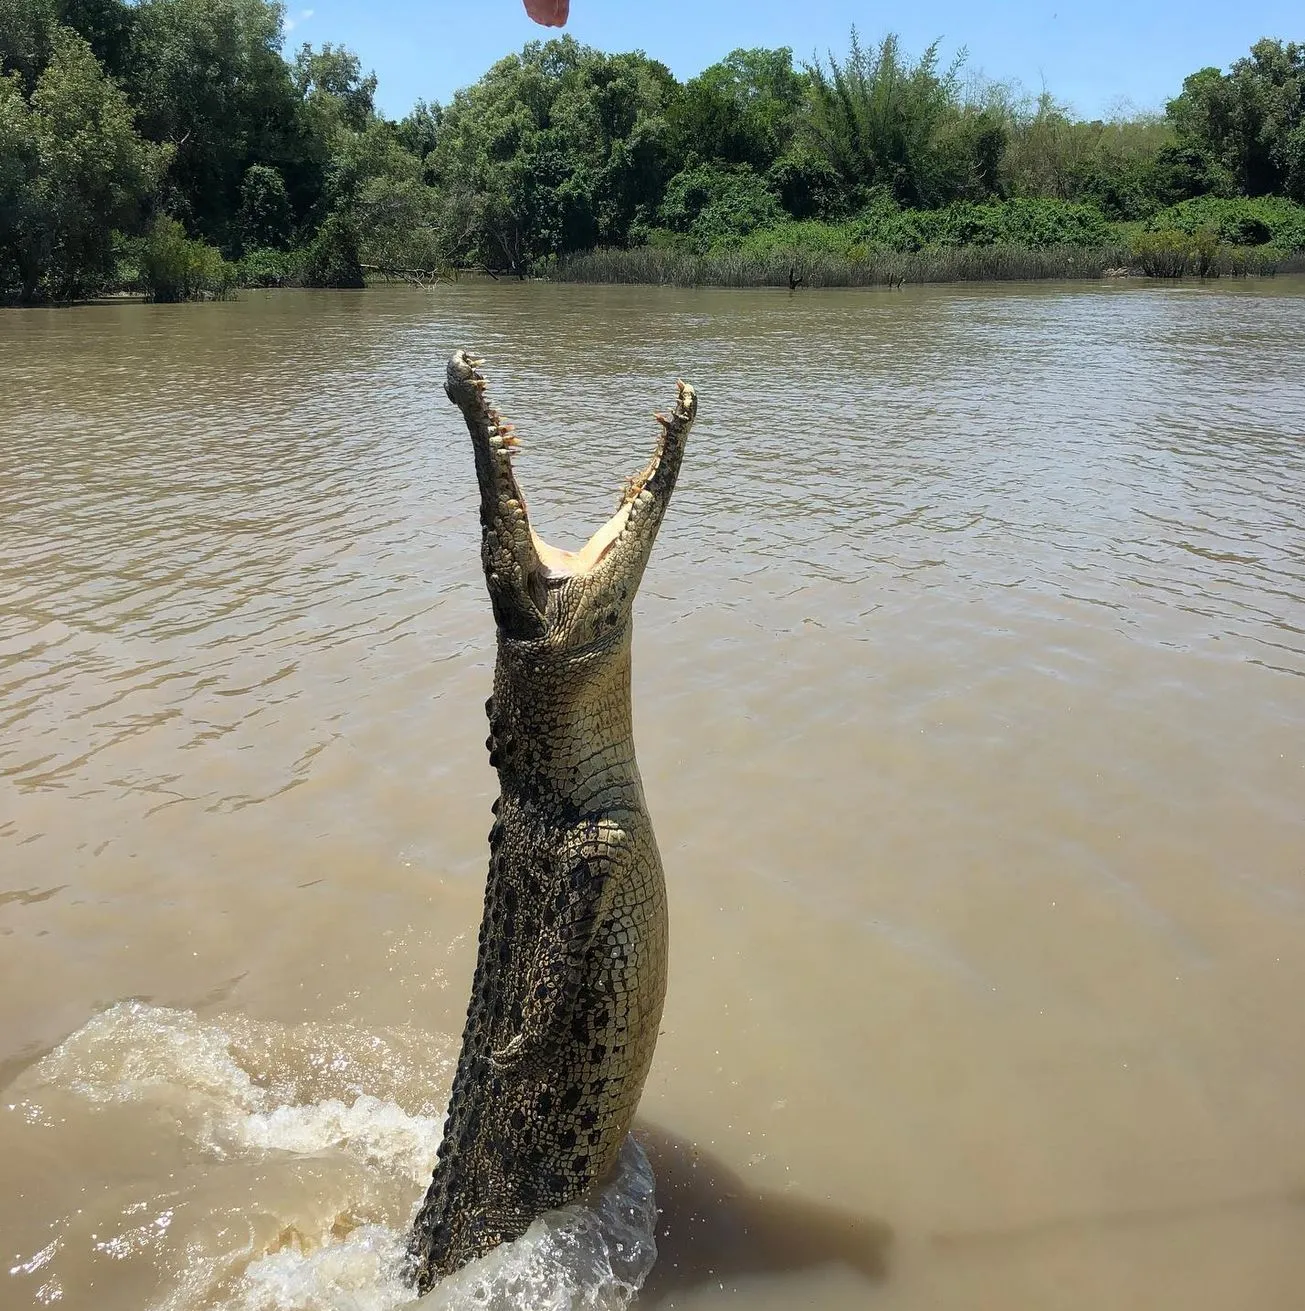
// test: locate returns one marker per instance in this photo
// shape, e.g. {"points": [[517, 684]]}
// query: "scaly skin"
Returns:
{"points": [[571, 968]]}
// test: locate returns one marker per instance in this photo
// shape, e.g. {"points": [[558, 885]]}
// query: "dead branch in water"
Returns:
{"points": [[414, 277]]}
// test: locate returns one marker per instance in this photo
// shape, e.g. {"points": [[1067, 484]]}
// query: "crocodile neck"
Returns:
{"points": [[560, 730]]}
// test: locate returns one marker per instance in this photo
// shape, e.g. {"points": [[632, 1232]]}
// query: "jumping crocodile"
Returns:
{"points": [[571, 966]]}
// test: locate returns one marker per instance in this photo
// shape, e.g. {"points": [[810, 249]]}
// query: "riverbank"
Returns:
{"points": [[1008, 241], [1150, 256], [1014, 240], [733, 270]]}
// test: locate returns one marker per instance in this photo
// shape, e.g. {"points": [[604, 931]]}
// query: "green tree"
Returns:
{"points": [[556, 149], [419, 129], [1128, 166], [1045, 151], [883, 122], [398, 222], [808, 186], [376, 191], [342, 141], [333, 257], [209, 79], [357, 156], [743, 110], [1250, 121], [27, 32], [107, 27], [21, 254], [266, 219], [73, 169], [26, 38], [332, 79]]}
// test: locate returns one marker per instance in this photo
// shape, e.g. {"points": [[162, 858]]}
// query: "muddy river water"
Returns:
{"points": [[970, 704]]}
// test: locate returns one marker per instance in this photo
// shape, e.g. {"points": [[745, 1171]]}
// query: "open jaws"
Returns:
{"points": [[520, 567]]}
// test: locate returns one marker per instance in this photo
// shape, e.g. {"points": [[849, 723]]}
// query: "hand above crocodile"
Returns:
{"points": [[549, 13]]}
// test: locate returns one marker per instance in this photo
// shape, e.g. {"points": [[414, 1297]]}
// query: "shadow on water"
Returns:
{"points": [[714, 1225]]}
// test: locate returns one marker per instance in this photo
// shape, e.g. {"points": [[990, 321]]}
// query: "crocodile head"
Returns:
{"points": [[566, 599]]}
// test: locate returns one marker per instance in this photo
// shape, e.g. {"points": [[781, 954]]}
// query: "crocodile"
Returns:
{"points": [[571, 964]]}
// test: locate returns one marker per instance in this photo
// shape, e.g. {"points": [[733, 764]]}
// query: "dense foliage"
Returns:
{"points": [[172, 145]]}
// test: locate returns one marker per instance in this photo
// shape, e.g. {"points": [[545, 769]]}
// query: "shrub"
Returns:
{"points": [[332, 259], [713, 205], [1239, 221], [1172, 253], [173, 267], [883, 228], [271, 268], [794, 240], [1122, 189], [1032, 224], [807, 186]]}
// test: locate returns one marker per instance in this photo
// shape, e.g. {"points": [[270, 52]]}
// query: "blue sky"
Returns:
{"points": [[1091, 55]]}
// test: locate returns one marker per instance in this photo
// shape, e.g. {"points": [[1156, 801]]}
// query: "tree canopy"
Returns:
{"points": [[1249, 123]]}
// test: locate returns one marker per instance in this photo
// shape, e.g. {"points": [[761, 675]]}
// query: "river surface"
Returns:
{"points": [[970, 704]]}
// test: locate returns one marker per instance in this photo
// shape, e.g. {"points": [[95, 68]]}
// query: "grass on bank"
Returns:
{"points": [[825, 268], [1154, 255]]}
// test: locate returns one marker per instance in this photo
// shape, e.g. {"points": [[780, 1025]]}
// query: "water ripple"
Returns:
{"points": [[976, 633]]}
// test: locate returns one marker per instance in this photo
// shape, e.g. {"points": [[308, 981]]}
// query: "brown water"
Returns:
{"points": [[971, 712]]}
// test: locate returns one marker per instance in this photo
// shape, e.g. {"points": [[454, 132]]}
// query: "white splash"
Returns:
{"points": [[576, 1259], [378, 1133], [358, 1273], [132, 1050], [311, 1147]]}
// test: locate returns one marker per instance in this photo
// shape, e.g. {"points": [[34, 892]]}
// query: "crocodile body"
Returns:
{"points": [[571, 965]]}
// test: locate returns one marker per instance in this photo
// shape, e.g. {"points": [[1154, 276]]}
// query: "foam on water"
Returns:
{"points": [[582, 1258], [380, 1133], [358, 1273], [303, 1153], [132, 1049]]}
